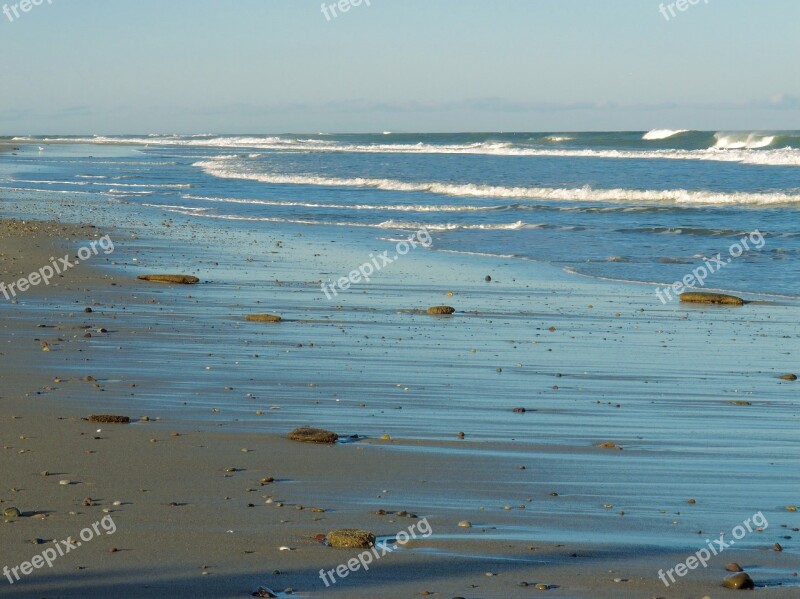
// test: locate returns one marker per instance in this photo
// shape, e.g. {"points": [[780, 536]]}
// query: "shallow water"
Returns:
{"points": [[613, 205], [657, 380]]}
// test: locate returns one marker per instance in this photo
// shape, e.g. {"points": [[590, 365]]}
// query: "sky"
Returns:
{"points": [[280, 66]]}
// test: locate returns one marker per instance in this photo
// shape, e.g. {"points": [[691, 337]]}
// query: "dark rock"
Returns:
{"points": [[734, 567], [109, 419], [11, 513], [740, 582], [439, 310], [263, 318], [313, 435], [175, 279], [711, 298], [351, 538]]}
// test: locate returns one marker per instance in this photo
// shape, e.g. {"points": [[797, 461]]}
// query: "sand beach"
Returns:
{"points": [[194, 516]]}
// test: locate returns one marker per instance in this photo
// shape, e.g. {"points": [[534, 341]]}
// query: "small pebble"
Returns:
{"points": [[734, 567]]}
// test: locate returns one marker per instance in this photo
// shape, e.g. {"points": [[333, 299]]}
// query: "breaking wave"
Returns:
{"points": [[745, 148], [223, 169], [657, 134]]}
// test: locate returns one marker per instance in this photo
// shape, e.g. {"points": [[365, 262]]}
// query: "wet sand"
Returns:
{"points": [[194, 518]]}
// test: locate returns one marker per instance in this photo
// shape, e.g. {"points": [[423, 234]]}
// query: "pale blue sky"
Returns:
{"points": [[124, 66]]}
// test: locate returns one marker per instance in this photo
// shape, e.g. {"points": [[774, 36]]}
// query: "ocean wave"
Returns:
{"points": [[583, 194], [174, 207], [534, 207], [382, 207], [742, 148], [743, 141], [416, 226], [128, 192], [485, 254], [745, 155], [83, 183], [388, 224], [35, 182], [271, 142], [691, 231], [657, 134], [61, 191]]}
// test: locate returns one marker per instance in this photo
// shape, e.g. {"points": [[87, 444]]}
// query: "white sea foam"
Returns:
{"points": [[416, 226], [83, 183], [128, 192], [32, 181], [174, 207], [486, 254], [743, 141], [59, 191], [657, 134], [380, 207], [272, 142], [729, 148], [583, 194], [388, 224]]}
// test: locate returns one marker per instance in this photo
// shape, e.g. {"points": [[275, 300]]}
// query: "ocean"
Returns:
{"points": [[631, 206]]}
